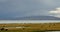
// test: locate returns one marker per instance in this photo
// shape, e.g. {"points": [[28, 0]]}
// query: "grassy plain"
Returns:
{"points": [[30, 27]]}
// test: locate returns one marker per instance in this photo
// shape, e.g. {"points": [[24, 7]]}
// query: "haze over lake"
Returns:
{"points": [[29, 21]]}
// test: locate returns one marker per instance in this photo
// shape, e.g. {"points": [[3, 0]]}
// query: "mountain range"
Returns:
{"points": [[33, 18]]}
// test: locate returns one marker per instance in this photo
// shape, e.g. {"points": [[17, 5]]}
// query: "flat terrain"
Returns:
{"points": [[29, 27]]}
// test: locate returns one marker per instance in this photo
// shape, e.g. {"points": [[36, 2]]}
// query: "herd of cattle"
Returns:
{"points": [[3, 29]]}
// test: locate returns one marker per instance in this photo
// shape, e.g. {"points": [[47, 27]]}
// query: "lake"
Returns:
{"points": [[53, 31], [29, 21]]}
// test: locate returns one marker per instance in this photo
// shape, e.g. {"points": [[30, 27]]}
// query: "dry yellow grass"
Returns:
{"points": [[35, 26]]}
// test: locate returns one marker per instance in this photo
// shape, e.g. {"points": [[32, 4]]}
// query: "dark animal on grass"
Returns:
{"points": [[6, 29], [2, 29]]}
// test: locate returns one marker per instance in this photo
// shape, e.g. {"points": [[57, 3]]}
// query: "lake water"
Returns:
{"points": [[53, 31], [29, 21]]}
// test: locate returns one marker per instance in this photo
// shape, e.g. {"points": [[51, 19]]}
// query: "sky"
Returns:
{"points": [[23, 8]]}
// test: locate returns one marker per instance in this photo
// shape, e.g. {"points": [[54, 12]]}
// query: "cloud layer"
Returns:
{"points": [[22, 8], [55, 12]]}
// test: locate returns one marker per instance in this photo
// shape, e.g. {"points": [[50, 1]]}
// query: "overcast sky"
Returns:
{"points": [[22, 8]]}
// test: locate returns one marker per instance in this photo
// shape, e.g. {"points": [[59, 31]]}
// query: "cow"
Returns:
{"points": [[4, 29]]}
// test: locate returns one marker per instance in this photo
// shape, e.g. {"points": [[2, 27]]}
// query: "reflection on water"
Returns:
{"points": [[52, 31]]}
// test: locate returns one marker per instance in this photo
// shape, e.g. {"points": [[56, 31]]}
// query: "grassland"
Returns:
{"points": [[30, 27]]}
